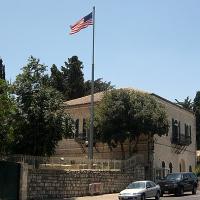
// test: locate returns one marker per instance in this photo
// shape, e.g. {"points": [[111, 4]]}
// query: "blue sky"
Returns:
{"points": [[150, 45]]}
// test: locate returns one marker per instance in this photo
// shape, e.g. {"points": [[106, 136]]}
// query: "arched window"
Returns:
{"points": [[182, 166], [84, 128], [77, 128], [190, 168], [170, 167], [163, 164], [163, 168]]}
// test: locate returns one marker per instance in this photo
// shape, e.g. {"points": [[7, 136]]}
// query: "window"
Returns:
{"points": [[186, 176], [148, 185], [77, 128], [163, 164], [163, 168], [190, 168], [193, 176], [84, 128], [186, 130], [152, 184], [170, 167], [178, 137], [174, 176], [176, 129], [188, 133]]}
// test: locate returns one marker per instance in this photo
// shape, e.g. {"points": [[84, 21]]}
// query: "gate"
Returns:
{"points": [[9, 180]]}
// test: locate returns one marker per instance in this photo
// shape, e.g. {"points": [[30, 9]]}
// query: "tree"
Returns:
{"points": [[99, 86], [196, 109], [126, 114], [73, 79], [42, 120], [57, 79], [70, 80], [7, 111], [187, 104], [2, 70]]}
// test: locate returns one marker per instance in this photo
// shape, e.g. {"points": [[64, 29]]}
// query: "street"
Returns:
{"points": [[187, 196]]}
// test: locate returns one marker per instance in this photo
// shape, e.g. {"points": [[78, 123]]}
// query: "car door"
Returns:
{"points": [[191, 181], [153, 189], [149, 192], [186, 182]]}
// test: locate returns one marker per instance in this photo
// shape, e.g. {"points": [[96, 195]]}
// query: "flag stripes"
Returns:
{"points": [[81, 24]]}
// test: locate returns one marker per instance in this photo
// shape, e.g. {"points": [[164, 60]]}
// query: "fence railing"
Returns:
{"points": [[69, 163]]}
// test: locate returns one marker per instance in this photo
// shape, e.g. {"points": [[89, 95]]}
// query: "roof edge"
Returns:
{"points": [[168, 101]]}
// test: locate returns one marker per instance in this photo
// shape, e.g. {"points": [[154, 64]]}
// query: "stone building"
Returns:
{"points": [[171, 153], [177, 150]]}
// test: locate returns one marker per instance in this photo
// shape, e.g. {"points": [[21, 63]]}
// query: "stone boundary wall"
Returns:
{"points": [[60, 184]]}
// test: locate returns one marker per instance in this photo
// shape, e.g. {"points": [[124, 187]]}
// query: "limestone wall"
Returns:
{"points": [[165, 151], [60, 184]]}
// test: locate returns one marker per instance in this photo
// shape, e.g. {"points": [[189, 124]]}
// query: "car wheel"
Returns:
{"points": [[194, 189], [181, 191], [157, 197], [143, 197]]}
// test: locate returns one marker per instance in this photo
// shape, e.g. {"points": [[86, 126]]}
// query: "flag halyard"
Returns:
{"points": [[81, 24]]}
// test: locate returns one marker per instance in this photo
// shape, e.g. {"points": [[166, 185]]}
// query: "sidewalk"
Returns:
{"points": [[98, 197]]}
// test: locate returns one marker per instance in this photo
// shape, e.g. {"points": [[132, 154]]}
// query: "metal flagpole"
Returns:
{"points": [[90, 150]]}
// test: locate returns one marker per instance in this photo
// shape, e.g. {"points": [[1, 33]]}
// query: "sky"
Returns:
{"points": [[151, 45]]}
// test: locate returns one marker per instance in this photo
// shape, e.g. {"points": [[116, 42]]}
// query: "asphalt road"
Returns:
{"points": [[187, 196]]}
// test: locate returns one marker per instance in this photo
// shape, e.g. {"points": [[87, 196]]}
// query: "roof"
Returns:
{"points": [[99, 95], [172, 103], [85, 100]]}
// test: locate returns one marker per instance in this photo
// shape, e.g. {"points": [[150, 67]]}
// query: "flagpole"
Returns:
{"points": [[90, 150]]}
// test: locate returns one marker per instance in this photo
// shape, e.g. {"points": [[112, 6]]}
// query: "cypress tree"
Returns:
{"points": [[2, 70]]}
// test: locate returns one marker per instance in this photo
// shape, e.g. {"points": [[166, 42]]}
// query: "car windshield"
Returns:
{"points": [[173, 177], [136, 185]]}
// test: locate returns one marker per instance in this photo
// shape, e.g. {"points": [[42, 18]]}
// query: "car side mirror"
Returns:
{"points": [[148, 186]]}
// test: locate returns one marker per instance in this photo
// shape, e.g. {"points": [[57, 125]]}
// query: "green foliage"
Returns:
{"points": [[187, 104], [196, 109], [126, 114], [197, 170], [42, 121], [112, 117], [70, 80], [99, 86], [7, 111], [2, 70], [74, 79], [57, 79]]}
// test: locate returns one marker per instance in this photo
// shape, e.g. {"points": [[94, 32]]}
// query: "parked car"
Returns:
{"points": [[178, 183], [140, 190]]}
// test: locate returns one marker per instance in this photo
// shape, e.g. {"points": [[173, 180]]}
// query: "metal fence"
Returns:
{"points": [[69, 163]]}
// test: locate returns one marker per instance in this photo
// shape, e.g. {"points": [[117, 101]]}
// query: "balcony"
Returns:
{"points": [[181, 140]]}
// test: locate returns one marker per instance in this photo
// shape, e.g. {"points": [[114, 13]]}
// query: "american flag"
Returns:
{"points": [[81, 24]]}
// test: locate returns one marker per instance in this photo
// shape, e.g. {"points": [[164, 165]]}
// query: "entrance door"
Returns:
{"points": [[9, 180], [182, 166]]}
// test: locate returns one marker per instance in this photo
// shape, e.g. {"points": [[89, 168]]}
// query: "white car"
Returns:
{"points": [[140, 190]]}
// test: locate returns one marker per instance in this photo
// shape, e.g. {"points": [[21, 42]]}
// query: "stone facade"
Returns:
{"points": [[162, 155], [177, 156], [60, 184]]}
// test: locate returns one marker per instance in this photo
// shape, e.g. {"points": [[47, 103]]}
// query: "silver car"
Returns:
{"points": [[140, 190]]}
